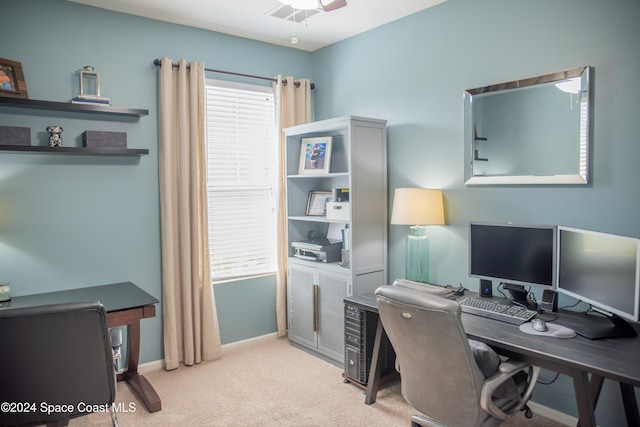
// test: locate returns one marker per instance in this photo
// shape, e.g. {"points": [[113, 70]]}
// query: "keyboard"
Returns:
{"points": [[484, 307]]}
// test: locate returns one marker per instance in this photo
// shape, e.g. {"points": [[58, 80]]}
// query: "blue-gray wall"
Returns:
{"points": [[72, 221], [413, 72]]}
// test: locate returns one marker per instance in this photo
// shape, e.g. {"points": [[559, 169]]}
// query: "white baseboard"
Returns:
{"points": [[156, 365], [231, 347], [552, 414]]}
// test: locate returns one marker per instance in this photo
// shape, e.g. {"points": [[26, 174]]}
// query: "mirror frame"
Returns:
{"points": [[581, 177]]}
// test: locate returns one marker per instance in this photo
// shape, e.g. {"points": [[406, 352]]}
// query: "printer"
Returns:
{"points": [[318, 249]]}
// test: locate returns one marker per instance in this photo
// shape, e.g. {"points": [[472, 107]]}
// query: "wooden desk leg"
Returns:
{"points": [[137, 382], [376, 367], [630, 404], [133, 347], [595, 386], [145, 391], [628, 399], [584, 399]]}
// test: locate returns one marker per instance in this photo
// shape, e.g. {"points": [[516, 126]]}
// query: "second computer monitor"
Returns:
{"points": [[513, 254], [600, 269]]}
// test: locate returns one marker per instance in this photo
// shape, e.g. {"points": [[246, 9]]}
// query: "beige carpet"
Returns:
{"points": [[270, 383]]}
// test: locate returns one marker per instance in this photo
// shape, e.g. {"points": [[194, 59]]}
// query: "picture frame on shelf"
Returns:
{"points": [[315, 155], [317, 203], [12, 83]]}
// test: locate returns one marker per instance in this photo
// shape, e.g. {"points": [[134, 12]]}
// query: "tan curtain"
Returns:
{"points": [[295, 108], [190, 322]]}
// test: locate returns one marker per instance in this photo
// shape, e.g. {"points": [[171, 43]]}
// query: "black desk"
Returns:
{"points": [[126, 304], [614, 359]]}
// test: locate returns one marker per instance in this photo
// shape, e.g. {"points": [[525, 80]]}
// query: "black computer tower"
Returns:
{"points": [[359, 335]]}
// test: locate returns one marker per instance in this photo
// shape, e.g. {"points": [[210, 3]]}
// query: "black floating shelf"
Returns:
{"points": [[90, 151], [70, 107]]}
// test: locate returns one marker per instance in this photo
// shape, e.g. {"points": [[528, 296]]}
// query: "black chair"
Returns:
{"points": [[453, 381], [56, 364]]}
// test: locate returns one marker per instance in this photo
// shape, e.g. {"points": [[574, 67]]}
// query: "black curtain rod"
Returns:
{"points": [[158, 63]]}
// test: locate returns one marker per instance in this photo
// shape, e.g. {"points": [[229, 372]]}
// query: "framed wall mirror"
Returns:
{"points": [[529, 131]]}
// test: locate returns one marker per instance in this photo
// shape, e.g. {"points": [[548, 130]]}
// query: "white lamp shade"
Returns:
{"points": [[417, 206]]}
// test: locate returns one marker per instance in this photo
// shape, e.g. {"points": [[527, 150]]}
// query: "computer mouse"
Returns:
{"points": [[539, 325]]}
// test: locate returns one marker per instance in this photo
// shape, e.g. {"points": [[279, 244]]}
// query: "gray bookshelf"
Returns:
{"points": [[316, 289]]}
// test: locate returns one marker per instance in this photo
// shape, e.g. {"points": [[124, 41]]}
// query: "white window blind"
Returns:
{"points": [[241, 179]]}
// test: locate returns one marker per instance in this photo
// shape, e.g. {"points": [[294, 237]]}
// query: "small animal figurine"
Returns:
{"points": [[55, 139]]}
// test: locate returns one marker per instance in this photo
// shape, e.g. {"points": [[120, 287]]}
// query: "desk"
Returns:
{"points": [[614, 359], [126, 304]]}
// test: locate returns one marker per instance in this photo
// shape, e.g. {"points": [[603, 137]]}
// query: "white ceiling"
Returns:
{"points": [[250, 19]]}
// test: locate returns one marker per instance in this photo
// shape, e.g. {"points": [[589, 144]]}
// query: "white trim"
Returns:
{"points": [[251, 87], [236, 279], [155, 365], [552, 414], [240, 345], [526, 179]]}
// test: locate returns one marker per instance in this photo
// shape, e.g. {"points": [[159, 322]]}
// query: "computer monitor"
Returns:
{"points": [[602, 270], [516, 255]]}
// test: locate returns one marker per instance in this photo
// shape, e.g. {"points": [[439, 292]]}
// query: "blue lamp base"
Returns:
{"points": [[417, 254]]}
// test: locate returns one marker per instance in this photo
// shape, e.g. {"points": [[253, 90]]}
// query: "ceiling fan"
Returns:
{"points": [[329, 5], [309, 7], [325, 5]]}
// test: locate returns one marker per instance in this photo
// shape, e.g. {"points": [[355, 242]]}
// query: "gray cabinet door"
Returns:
{"points": [[301, 305], [331, 294]]}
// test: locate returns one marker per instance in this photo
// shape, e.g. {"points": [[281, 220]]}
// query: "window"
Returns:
{"points": [[242, 164]]}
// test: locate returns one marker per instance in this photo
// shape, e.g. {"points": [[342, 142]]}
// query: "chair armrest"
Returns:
{"points": [[425, 287], [512, 366], [506, 371]]}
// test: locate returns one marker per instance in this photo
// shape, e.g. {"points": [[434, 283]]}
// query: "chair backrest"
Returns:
{"points": [[56, 354], [438, 372]]}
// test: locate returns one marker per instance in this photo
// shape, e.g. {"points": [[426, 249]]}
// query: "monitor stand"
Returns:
{"points": [[518, 294], [599, 327]]}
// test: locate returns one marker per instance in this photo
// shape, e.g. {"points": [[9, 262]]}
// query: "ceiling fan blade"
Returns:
{"points": [[332, 5]]}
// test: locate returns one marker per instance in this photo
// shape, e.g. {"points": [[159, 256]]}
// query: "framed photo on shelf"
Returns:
{"points": [[12, 82], [315, 155], [317, 203]]}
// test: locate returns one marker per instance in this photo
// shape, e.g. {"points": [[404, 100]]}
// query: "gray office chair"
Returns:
{"points": [[56, 364], [442, 376]]}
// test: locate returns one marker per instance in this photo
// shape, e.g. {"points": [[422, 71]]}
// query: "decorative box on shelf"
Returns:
{"points": [[338, 211], [103, 139], [15, 135], [91, 100]]}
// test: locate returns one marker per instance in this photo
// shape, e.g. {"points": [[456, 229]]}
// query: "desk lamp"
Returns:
{"points": [[417, 207]]}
